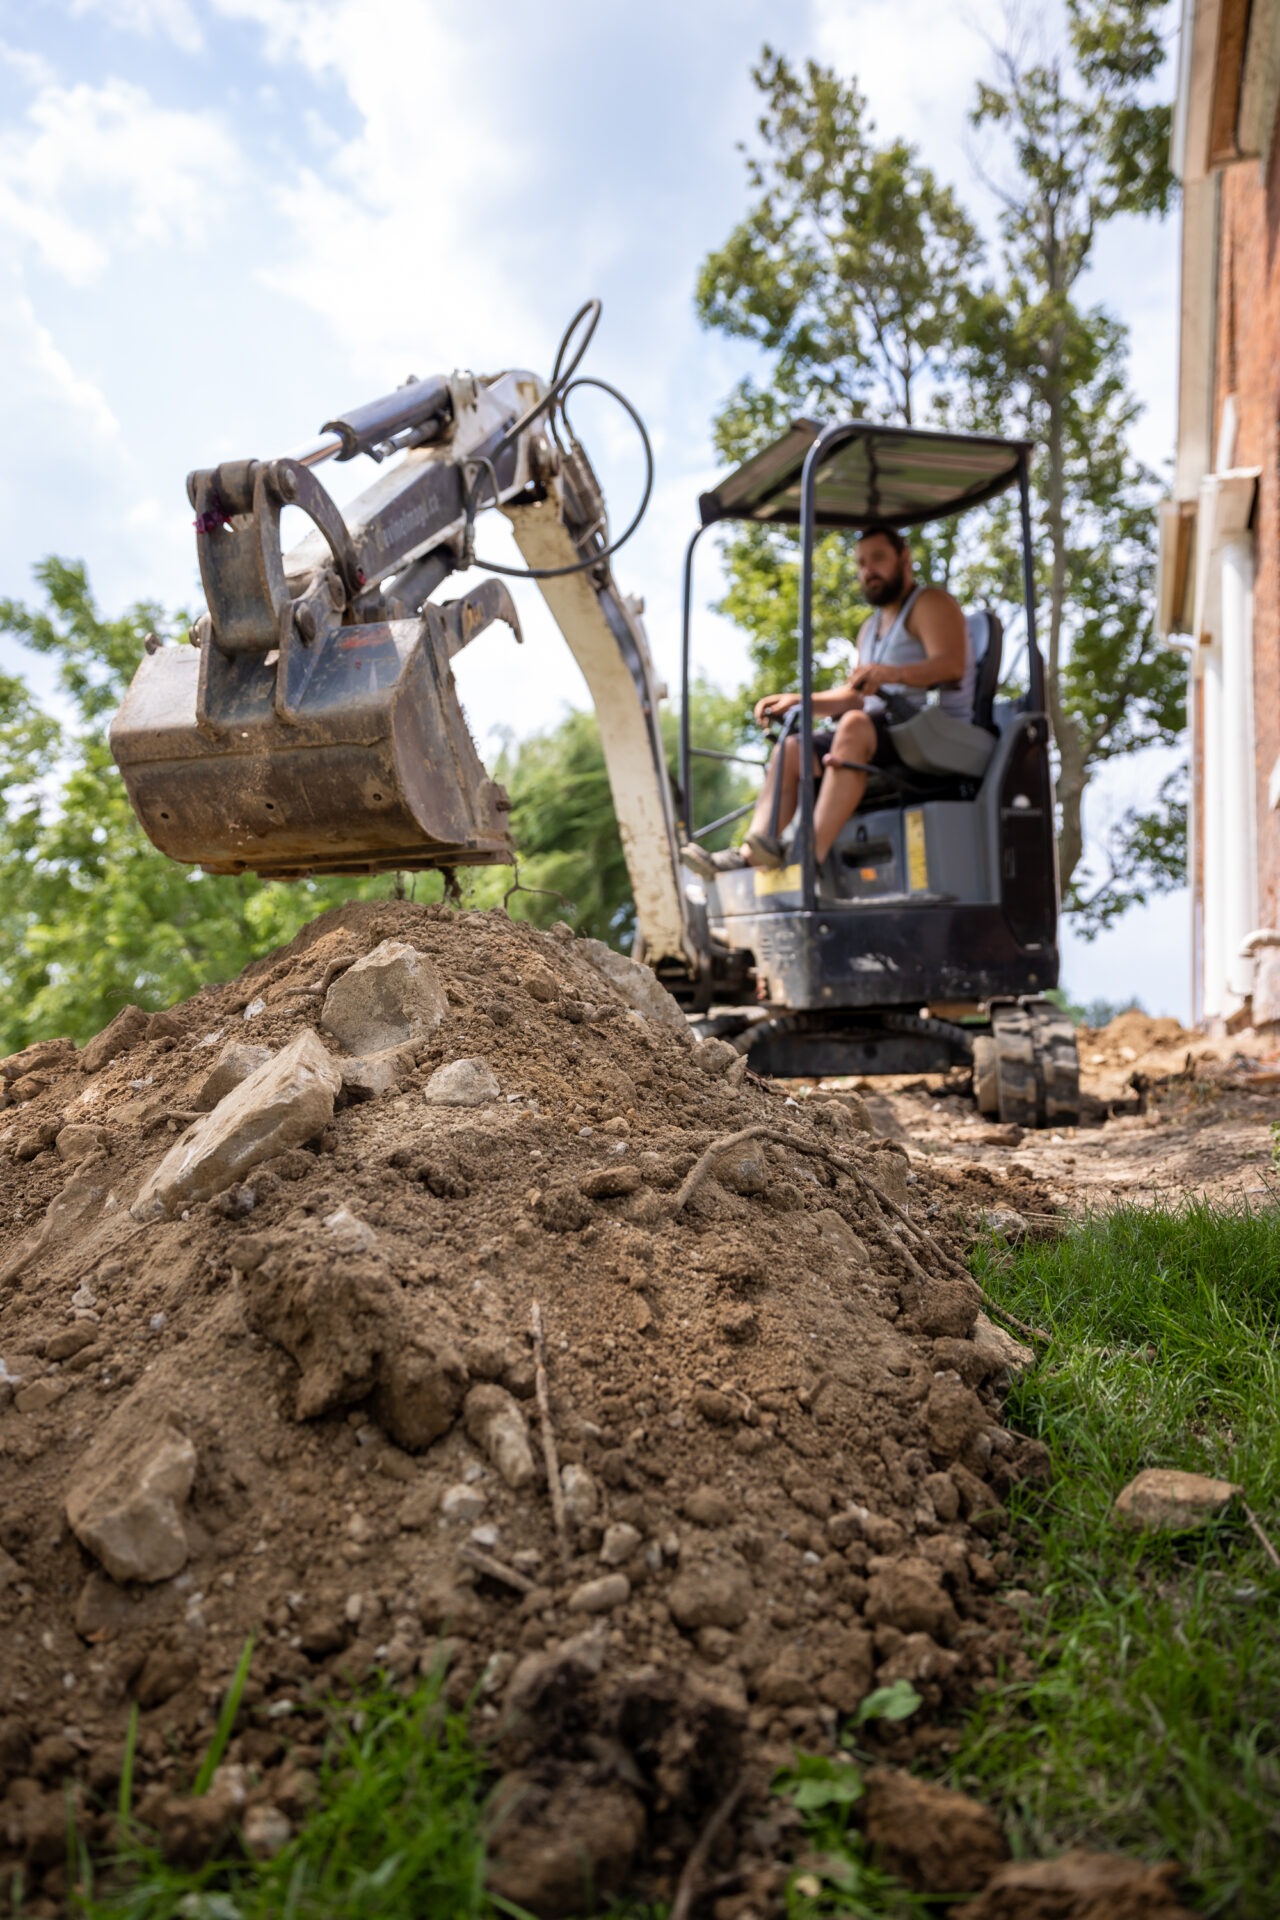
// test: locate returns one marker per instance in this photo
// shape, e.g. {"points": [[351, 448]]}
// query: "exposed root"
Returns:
{"points": [[550, 1454], [496, 1569], [691, 1877]]}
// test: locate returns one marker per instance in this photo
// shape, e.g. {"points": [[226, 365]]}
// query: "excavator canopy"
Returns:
{"points": [[903, 476]]}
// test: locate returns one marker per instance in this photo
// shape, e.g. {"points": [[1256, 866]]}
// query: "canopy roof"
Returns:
{"points": [[900, 475]]}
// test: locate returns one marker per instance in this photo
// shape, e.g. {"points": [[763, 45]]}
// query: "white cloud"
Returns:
{"points": [[55, 376], [96, 168], [167, 19]]}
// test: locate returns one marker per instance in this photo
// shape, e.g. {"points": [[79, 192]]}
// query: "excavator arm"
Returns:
{"points": [[311, 725]]}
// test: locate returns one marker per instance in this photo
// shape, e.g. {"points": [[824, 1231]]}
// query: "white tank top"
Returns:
{"points": [[897, 647]]}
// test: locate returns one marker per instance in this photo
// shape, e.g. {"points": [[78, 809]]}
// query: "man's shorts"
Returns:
{"points": [[885, 755]]}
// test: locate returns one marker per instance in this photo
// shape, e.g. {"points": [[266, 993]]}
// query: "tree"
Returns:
{"points": [[1085, 144], [1020, 356], [850, 272]]}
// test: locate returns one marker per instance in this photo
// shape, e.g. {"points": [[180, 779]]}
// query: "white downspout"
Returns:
{"points": [[1236, 765], [1213, 891]]}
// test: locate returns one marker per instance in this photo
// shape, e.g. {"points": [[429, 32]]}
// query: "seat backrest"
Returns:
{"points": [[986, 637]]}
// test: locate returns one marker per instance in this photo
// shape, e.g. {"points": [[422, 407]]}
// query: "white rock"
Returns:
{"points": [[287, 1101], [349, 1233], [1005, 1222], [581, 1496], [462, 1083], [266, 1830], [462, 1502], [367, 1076], [254, 1008], [1013, 1356], [620, 1542], [494, 1421], [123, 1504], [391, 996], [637, 984], [232, 1067]]}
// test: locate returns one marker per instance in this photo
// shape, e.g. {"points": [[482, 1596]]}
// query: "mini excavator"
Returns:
{"points": [[311, 725]]}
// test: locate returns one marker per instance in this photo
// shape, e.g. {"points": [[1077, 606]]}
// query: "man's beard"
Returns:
{"points": [[882, 592]]}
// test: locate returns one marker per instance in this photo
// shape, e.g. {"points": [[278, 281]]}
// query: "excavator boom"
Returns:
{"points": [[312, 724]]}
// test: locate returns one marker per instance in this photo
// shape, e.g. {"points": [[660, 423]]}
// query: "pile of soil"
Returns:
{"points": [[774, 1410]]}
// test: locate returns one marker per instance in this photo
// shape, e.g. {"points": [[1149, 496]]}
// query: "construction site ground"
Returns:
{"points": [[480, 1317]]}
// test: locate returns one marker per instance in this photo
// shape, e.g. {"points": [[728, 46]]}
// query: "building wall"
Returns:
{"points": [[1248, 367]]}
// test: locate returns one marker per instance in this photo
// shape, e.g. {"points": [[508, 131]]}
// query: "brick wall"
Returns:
{"points": [[1248, 365]]}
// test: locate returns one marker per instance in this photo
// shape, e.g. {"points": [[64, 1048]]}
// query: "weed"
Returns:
{"points": [[1152, 1724], [397, 1832]]}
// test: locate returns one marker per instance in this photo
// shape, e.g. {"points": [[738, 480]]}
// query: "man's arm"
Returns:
{"points": [[939, 626]]}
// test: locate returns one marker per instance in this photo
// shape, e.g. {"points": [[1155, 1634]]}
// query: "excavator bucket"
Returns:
{"points": [[345, 754]]}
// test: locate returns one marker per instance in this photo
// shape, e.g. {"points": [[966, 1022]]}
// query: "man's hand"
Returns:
{"points": [[870, 677], [774, 706]]}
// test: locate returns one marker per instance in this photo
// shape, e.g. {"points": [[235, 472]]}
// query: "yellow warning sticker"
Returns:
{"points": [[917, 860], [780, 880]]}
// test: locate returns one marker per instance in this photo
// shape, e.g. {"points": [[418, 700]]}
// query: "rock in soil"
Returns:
{"points": [[1162, 1500], [303, 1404], [1079, 1886]]}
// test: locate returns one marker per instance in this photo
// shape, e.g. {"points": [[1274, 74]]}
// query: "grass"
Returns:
{"points": [[1152, 1724], [398, 1830]]}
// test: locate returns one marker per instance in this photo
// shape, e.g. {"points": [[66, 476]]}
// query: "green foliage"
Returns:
{"points": [[1152, 1721], [563, 822], [91, 915], [837, 1879], [398, 1831], [860, 279]]}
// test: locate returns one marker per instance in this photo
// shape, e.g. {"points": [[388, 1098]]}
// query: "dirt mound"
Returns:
{"points": [[1134, 1034], [269, 1366]]}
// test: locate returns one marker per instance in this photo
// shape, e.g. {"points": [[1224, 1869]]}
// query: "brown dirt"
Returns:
{"points": [[788, 1451], [1168, 1115]]}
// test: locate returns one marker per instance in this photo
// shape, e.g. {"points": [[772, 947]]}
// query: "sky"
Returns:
{"points": [[222, 221]]}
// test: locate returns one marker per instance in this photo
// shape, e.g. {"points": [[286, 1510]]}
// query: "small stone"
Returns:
{"points": [[256, 1006], [836, 1231], [231, 1068], [123, 1504], [1005, 1223], [368, 1076], [39, 1396], [609, 1183], [714, 1057], [75, 1143], [286, 1102], [943, 1494], [620, 1542], [497, 1426], [348, 1233], [266, 1830], [716, 1407], [462, 1502], [389, 997], [995, 1345], [581, 1495], [68, 1341], [1162, 1500], [462, 1083], [709, 1596], [602, 1595], [635, 983], [125, 1031]]}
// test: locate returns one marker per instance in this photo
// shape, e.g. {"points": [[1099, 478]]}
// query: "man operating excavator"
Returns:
{"points": [[915, 639]]}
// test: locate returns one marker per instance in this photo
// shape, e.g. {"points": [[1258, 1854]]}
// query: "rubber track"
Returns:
{"points": [[1058, 1059], [1017, 1077]]}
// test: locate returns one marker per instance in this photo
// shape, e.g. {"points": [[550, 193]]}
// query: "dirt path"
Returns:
{"points": [[1168, 1116]]}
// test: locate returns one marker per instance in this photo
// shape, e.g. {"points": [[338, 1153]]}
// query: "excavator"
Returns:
{"points": [[310, 724]]}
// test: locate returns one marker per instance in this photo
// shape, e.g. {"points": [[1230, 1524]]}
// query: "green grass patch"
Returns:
{"points": [[397, 1831], [1152, 1725]]}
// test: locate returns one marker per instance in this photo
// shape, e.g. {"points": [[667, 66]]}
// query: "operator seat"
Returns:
{"points": [[934, 742]]}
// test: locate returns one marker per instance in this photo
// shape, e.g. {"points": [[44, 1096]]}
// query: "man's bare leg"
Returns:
{"points": [[789, 774], [840, 794]]}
